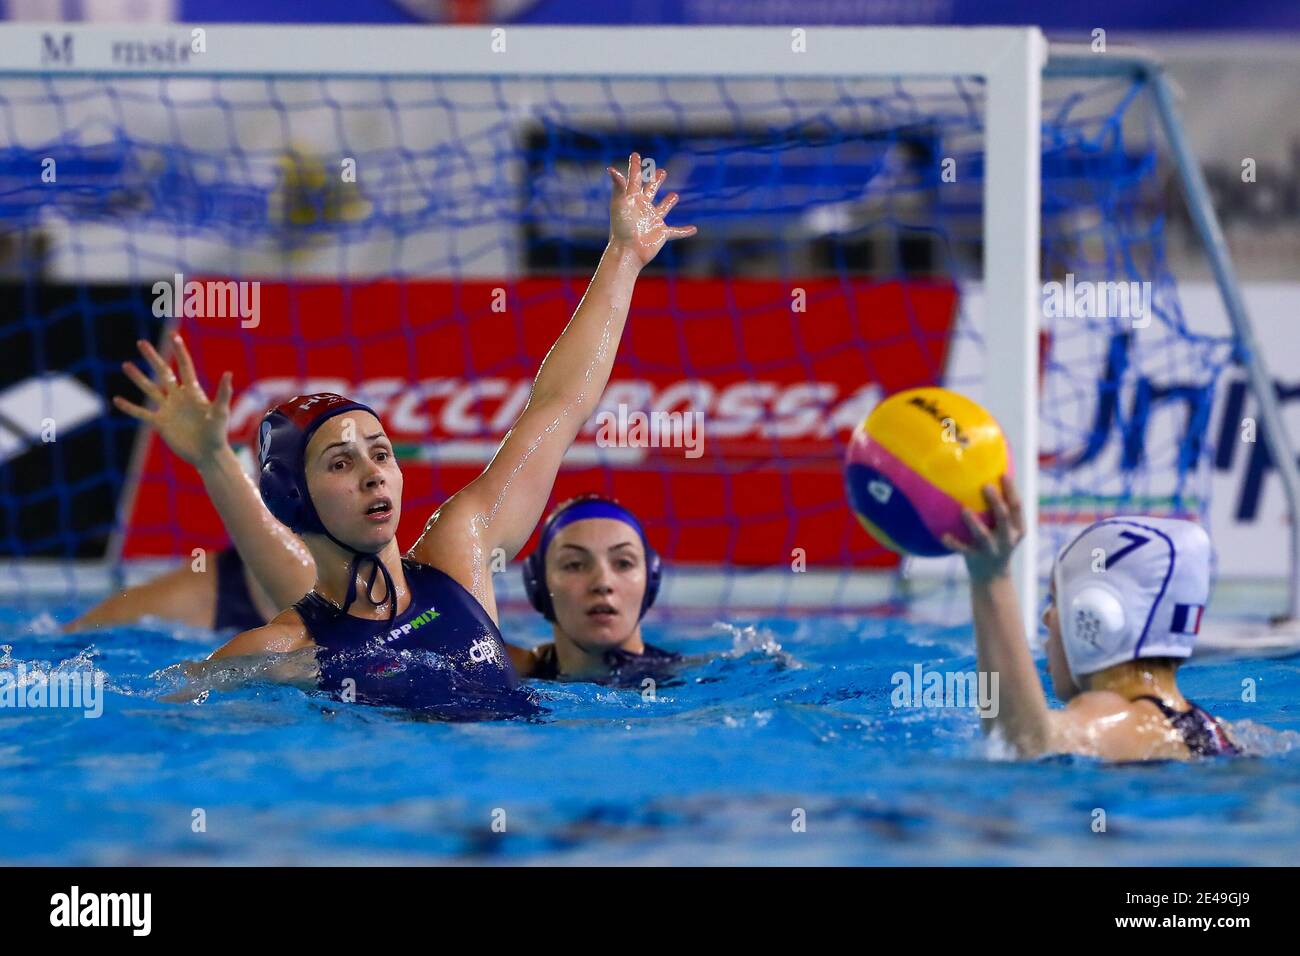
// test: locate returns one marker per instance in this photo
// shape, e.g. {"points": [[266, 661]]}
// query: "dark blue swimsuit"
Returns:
{"points": [[625, 668], [1203, 734], [235, 608], [443, 655]]}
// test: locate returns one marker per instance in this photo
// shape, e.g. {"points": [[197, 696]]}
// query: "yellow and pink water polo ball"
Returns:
{"points": [[916, 461]]}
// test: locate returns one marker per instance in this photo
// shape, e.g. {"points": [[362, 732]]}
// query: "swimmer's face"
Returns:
{"points": [[596, 573], [354, 480], [1062, 683]]}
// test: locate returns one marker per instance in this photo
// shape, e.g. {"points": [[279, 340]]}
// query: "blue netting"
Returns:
{"points": [[470, 181]]}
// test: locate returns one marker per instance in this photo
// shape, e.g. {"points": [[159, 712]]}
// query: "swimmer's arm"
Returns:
{"points": [[183, 595], [250, 656], [276, 558], [1001, 647], [500, 508], [284, 635], [195, 429], [239, 670]]}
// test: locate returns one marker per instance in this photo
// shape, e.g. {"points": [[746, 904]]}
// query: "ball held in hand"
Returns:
{"points": [[916, 461]]}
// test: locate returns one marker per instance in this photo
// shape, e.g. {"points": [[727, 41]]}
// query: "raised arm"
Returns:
{"points": [[1000, 644], [195, 429], [499, 508]]}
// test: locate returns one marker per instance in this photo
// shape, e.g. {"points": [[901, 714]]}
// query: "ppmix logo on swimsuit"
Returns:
{"points": [[481, 651], [74, 908], [412, 625]]}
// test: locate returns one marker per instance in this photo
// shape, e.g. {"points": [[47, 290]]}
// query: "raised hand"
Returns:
{"points": [[635, 222], [193, 426], [990, 554]]}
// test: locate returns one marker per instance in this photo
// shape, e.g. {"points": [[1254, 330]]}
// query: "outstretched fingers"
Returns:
{"points": [[635, 218], [132, 409], [652, 187], [632, 184], [160, 367], [225, 388], [628, 183], [142, 382], [184, 363], [665, 207]]}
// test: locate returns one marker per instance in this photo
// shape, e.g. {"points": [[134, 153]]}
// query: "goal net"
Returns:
{"points": [[412, 224]]}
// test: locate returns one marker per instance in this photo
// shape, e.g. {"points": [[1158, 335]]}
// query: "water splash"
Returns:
{"points": [[1257, 740], [751, 639]]}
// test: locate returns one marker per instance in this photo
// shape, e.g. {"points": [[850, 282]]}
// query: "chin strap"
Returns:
{"points": [[379, 568]]}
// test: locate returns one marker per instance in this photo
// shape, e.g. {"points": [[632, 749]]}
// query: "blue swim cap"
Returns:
{"points": [[582, 508], [281, 451]]}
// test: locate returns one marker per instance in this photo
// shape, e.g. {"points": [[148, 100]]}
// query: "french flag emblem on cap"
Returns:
{"points": [[1187, 618]]}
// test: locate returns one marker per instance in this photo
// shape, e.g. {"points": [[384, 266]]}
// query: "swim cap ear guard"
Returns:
{"points": [[581, 509], [281, 452], [1097, 619], [1129, 588]]}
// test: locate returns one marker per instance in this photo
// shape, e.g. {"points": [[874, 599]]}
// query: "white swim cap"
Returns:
{"points": [[1131, 587]]}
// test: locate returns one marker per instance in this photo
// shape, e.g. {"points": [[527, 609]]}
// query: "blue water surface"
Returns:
{"points": [[780, 744]]}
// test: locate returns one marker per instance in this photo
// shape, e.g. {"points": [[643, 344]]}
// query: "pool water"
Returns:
{"points": [[780, 744]]}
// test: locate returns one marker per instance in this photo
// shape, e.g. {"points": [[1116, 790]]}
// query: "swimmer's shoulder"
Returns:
{"points": [[452, 542], [448, 541], [1107, 725], [283, 634], [446, 561]]}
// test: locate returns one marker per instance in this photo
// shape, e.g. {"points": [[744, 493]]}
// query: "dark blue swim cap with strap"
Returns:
{"points": [[584, 508], [281, 450]]}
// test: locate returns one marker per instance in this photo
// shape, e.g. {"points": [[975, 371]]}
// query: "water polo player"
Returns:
{"points": [[374, 618], [594, 575], [1127, 598], [241, 594], [227, 599]]}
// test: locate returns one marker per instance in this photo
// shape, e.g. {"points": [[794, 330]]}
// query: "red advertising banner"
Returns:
{"points": [[723, 425]]}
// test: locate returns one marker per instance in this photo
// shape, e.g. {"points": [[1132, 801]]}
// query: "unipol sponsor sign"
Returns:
{"points": [[771, 376]]}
